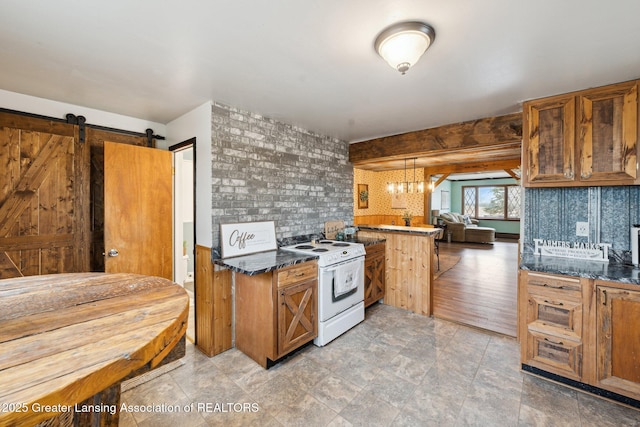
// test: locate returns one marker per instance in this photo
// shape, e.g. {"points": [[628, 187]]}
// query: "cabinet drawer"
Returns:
{"points": [[298, 273], [556, 315], [546, 281], [554, 354], [373, 250]]}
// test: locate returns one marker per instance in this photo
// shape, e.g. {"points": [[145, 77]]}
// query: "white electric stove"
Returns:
{"points": [[340, 285]]}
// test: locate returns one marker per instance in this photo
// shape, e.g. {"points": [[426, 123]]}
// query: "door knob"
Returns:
{"points": [[113, 252]]}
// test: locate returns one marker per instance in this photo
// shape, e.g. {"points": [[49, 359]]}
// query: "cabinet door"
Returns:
{"points": [[297, 315], [618, 340], [549, 142], [374, 271], [608, 136]]}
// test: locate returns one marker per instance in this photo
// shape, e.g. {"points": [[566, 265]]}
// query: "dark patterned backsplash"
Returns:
{"points": [[552, 213]]}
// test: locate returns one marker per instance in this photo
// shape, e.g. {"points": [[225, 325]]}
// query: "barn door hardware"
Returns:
{"points": [[80, 121]]}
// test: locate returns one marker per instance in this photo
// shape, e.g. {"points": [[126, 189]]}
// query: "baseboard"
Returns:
{"points": [[513, 236], [582, 386]]}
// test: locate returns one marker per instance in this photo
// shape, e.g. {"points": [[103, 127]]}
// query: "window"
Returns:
{"points": [[492, 201]]}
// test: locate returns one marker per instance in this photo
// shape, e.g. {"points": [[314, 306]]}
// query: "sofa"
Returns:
{"points": [[466, 229]]}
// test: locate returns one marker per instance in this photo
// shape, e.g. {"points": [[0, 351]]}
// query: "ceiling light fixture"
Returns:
{"points": [[406, 186], [402, 44]]}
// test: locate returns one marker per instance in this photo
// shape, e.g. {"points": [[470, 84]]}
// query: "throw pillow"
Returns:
{"points": [[467, 219]]}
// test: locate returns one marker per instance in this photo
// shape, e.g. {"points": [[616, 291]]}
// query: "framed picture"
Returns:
{"points": [[244, 238], [363, 196], [445, 200], [399, 201]]}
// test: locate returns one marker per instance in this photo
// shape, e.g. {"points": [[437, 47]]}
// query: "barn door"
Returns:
{"points": [[138, 209], [41, 215]]}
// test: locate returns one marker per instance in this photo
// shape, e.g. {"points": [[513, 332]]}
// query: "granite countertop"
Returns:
{"points": [[401, 229], [612, 272], [263, 262]]}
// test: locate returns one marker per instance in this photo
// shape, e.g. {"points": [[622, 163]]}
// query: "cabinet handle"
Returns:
{"points": [[586, 175], [554, 303], [554, 342], [568, 174], [604, 297], [550, 286]]}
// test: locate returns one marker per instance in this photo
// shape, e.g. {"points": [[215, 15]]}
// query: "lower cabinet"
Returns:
{"points": [[582, 329], [374, 271], [553, 331], [276, 312], [618, 339]]}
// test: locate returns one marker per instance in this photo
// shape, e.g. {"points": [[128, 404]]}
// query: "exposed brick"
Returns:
{"points": [[266, 170]]}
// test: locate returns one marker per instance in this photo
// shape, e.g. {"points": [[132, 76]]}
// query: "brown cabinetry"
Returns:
{"points": [[584, 138], [374, 271], [276, 312], [552, 328], [618, 339], [581, 329]]}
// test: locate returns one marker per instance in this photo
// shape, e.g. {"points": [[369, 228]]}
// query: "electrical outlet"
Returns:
{"points": [[582, 229]]}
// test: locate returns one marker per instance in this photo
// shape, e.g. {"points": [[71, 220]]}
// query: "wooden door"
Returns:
{"points": [[297, 314], [42, 212], [374, 272], [618, 340], [138, 208], [608, 138], [549, 140]]}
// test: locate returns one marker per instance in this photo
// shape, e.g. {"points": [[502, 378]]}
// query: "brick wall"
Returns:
{"points": [[267, 170]]}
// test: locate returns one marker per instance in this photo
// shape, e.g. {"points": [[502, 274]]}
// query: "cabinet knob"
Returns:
{"points": [[586, 175]]}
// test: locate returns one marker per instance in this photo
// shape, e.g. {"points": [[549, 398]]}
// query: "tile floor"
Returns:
{"points": [[394, 369]]}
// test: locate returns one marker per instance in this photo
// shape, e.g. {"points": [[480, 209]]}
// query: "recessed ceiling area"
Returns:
{"points": [[313, 64]]}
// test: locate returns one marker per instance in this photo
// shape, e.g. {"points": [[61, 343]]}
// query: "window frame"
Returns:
{"points": [[505, 213]]}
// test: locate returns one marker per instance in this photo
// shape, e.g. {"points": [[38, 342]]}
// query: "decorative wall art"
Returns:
{"points": [[399, 201], [245, 238], [363, 196]]}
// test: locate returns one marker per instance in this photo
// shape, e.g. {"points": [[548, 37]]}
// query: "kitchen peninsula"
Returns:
{"points": [[409, 264]]}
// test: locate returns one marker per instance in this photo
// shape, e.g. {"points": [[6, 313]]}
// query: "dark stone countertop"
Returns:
{"points": [[263, 262], [609, 271], [401, 229]]}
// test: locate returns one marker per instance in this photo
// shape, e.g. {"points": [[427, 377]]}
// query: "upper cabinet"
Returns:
{"points": [[586, 138]]}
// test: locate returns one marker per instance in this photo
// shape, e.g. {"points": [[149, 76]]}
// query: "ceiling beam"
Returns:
{"points": [[473, 167], [479, 133]]}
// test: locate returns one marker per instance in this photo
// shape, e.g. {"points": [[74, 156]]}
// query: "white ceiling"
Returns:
{"points": [[311, 63]]}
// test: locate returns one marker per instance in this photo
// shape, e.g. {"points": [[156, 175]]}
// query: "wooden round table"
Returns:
{"points": [[66, 338]]}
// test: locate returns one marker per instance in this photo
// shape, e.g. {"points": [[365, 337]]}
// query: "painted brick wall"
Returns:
{"points": [[266, 170]]}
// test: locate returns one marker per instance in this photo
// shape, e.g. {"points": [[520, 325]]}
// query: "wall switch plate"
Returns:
{"points": [[582, 229]]}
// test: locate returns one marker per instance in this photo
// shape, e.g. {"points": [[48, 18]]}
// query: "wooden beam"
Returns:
{"points": [[512, 173], [473, 167], [442, 178], [472, 134]]}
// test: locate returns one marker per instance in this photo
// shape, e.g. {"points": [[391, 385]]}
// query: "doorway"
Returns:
{"points": [[184, 223]]}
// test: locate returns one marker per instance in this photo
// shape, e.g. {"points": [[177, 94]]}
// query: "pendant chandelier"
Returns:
{"points": [[405, 186]]}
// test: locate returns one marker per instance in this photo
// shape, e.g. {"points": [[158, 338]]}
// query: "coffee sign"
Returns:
{"points": [[579, 250], [244, 238]]}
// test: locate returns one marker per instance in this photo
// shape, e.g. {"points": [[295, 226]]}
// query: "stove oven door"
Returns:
{"points": [[340, 286]]}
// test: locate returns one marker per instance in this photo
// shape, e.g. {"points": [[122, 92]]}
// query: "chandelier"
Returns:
{"points": [[406, 186]]}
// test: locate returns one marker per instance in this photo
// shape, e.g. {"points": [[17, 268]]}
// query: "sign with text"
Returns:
{"points": [[579, 250], [244, 238]]}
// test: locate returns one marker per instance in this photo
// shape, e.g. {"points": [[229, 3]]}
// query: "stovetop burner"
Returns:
{"points": [[328, 251]]}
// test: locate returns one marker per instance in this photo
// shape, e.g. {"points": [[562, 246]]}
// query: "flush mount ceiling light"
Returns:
{"points": [[402, 44]]}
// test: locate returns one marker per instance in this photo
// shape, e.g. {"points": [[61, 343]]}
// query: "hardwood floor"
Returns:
{"points": [[481, 289]]}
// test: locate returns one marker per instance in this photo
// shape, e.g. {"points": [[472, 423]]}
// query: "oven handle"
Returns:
{"points": [[334, 267]]}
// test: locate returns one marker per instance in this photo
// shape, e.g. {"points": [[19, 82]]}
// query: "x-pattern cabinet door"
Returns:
{"points": [[297, 314]]}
